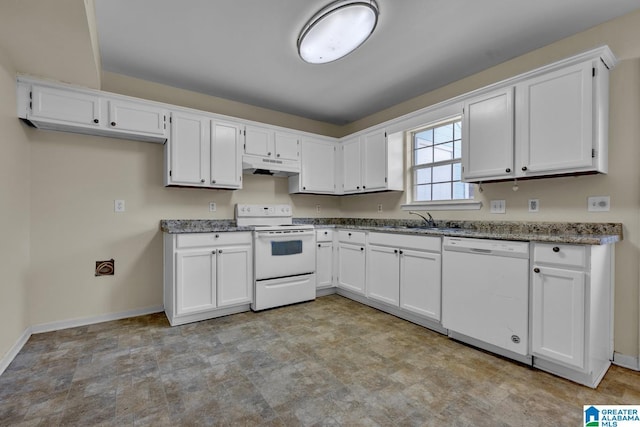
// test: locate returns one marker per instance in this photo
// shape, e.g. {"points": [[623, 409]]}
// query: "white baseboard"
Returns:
{"points": [[625, 361], [72, 323], [13, 352]]}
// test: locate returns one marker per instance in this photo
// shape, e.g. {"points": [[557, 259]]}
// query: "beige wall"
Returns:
{"points": [[14, 203]]}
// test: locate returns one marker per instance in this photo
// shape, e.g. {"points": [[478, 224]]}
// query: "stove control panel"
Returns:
{"points": [[263, 211]]}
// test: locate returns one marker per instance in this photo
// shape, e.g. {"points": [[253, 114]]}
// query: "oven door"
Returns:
{"points": [[284, 253]]}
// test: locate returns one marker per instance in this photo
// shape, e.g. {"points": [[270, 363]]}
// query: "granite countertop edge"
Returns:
{"points": [[572, 233]]}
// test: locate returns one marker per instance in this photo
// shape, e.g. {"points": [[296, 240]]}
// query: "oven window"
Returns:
{"points": [[291, 247]]}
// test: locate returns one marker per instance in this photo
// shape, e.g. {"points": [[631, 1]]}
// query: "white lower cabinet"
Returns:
{"points": [[571, 310], [351, 261], [404, 271], [207, 275], [324, 259]]}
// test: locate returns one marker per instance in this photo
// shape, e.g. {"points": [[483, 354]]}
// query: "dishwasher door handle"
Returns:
{"points": [[481, 251]]}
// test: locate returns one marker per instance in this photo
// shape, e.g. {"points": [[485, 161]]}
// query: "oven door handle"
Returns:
{"points": [[285, 236]]}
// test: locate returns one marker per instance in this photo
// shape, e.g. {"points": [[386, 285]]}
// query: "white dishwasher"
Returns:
{"points": [[485, 294]]}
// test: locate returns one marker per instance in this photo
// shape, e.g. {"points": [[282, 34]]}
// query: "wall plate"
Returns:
{"points": [[598, 204], [498, 206], [534, 205]]}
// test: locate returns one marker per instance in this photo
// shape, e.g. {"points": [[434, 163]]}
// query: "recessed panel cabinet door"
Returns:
{"points": [[352, 166], [287, 146], [554, 121], [383, 274], [226, 155], [558, 315], [258, 141], [351, 268], [420, 283], [374, 161], [318, 166], [189, 149], [324, 265], [64, 106], [195, 281], [137, 117], [235, 275]]}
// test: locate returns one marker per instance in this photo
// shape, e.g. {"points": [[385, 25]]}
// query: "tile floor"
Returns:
{"points": [[331, 362]]}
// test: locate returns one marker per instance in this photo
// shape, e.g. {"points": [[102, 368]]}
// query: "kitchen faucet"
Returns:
{"points": [[430, 222]]}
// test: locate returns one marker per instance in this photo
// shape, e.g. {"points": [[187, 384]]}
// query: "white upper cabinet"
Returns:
{"points": [[551, 121], [287, 146], [226, 155], [138, 117], [374, 161], [488, 136], [317, 168], [64, 107], [351, 166], [203, 152], [258, 141]]}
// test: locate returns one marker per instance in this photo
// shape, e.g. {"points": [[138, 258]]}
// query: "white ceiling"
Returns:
{"points": [[245, 50]]}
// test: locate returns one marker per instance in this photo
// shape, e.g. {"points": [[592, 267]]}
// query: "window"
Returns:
{"points": [[436, 163]]}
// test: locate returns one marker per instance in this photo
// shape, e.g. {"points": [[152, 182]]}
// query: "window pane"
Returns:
{"points": [[442, 173], [457, 150], [457, 172], [443, 134], [423, 156], [460, 190], [442, 191], [423, 176], [457, 130], [423, 193], [443, 152], [423, 139]]}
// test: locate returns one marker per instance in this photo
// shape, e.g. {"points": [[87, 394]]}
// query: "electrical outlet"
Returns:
{"points": [[534, 205], [379, 208], [317, 208], [212, 206], [498, 206], [118, 206], [598, 204]]}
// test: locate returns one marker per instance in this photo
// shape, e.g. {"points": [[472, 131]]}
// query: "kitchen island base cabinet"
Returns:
{"points": [[207, 275], [572, 310]]}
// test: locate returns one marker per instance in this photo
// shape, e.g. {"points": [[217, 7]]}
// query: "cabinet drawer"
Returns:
{"points": [[357, 237], [569, 255], [425, 243], [195, 240], [324, 235]]}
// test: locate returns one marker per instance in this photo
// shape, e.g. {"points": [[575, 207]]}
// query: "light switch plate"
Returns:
{"points": [[498, 206], [598, 204], [212, 206], [118, 206]]}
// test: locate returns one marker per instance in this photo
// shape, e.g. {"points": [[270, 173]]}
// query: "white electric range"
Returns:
{"points": [[284, 255]]}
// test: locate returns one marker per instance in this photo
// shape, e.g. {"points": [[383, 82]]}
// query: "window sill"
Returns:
{"points": [[444, 205]]}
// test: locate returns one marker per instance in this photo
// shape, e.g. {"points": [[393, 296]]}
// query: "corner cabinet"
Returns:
{"points": [[572, 310], [203, 152], [317, 169], [551, 121], [372, 162], [207, 275]]}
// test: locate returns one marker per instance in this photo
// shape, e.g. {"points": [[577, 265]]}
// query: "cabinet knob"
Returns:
{"points": [[96, 121], [358, 187], [524, 168], [362, 249], [217, 235], [278, 155], [401, 252], [507, 170], [536, 270], [326, 232], [220, 251], [304, 188], [395, 251], [113, 123], [319, 245], [213, 252], [269, 153], [349, 234], [556, 249], [364, 186], [202, 180], [213, 181]]}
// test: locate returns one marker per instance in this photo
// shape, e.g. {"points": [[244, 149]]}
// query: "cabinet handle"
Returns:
{"points": [[96, 121], [524, 168], [202, 181], [507, 170], [536, 270], [556, 249], [113, 123], [213, 181]]}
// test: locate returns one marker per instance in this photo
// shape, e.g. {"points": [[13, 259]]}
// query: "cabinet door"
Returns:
{"points": [[488, 136], [258, 141], [554, 121], [189, 149], [374, 161], [558, 316], [383, 276], [226, 155], [324, 265], [64, 106], [351, 268], [137, 117], [318, 166], [287, 146], [420, 283], [195, 281], [235, 275], [351, 166]]}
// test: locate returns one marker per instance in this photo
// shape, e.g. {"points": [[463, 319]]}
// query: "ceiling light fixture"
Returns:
{"points": [[337, 30]]}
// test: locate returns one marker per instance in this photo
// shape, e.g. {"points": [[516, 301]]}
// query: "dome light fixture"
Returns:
{"points": [[337, 30]]}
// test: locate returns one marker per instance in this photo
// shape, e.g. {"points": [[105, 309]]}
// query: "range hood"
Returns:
{"points": [[256, 165]]}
